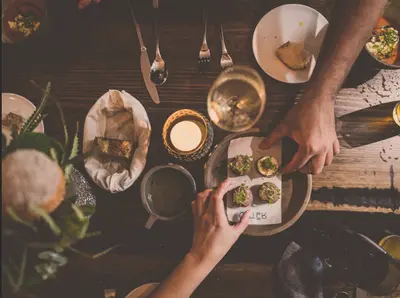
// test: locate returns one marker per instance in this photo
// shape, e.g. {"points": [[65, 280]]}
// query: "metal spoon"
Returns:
{"points": [[158, 70]]}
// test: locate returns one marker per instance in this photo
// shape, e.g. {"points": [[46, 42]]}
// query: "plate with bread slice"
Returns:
{"points": [[287, 41]]}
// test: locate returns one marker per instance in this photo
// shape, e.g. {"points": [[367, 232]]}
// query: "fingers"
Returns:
{"points": [[298, 161], [216, 205], [279, 132], [83, 3], [222, 189], [329, 157], [315, 165], [336, 147], [201, 202], [244, 222]]}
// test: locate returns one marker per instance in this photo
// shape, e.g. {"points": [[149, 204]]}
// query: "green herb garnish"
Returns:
{"points": [[241, 195], [241, 164]]}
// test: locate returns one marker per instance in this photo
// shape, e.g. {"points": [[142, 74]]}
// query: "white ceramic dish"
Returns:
{"points": [[291, 22], [143, 291], [17, 104]]}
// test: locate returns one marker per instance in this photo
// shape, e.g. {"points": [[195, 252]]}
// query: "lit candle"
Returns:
{"points": [[185, 136]]}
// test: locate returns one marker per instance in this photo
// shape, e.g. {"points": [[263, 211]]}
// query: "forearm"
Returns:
{"points": [[184, 279], [351, 25]]}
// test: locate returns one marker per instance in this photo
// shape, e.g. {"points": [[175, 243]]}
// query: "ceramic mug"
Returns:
{"points": [[167, 192]]}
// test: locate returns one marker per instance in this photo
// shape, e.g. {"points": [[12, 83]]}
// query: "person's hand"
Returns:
{"points": [[85, 3], [311, 123], [213, 235]]}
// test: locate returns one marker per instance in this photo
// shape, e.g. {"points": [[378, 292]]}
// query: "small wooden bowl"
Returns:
{"points": [[296, 189]]}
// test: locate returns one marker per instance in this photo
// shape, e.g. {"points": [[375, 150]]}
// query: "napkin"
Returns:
{"points": [[116, 115]]}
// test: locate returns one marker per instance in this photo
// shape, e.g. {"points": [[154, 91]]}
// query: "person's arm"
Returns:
{"points": [[85, 3], [213, 237], [311, 122]]}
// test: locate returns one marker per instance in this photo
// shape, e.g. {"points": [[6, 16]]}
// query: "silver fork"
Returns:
{"points": [[226, 60], [205, 53]]}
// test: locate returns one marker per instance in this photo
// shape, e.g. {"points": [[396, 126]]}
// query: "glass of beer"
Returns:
{"points": [[396, 113], [237, 99]]}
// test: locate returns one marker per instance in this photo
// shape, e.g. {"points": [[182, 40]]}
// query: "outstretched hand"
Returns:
{"points": [[213, 235], [311, 123]]}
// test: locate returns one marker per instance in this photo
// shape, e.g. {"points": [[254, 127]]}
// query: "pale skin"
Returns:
{"points": [[213, 237], [311, 122], [85, 3]]}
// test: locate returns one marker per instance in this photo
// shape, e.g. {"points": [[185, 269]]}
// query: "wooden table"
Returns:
{"points": [[85, 54]]}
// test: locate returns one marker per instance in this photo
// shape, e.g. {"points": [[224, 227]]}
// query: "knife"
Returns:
{"points": [[144, 61]]}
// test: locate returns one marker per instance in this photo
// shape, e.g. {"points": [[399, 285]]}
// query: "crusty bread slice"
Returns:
{"points": [[294, 56]]}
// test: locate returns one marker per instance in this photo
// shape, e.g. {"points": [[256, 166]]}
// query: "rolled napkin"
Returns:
{"points": [[116, 115]]}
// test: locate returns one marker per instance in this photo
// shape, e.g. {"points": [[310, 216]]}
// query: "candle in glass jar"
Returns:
{"points": [[185, 136]]}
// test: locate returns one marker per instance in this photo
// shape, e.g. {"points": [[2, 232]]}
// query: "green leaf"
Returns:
{"points": [[37, 141], [68, 172], [32, 121], [58, 105], [83, 230], [75, 144], [88, 209], [22, 268], [47, 218], [10, 278], [13, 215], [53, 155], [79, 214]]}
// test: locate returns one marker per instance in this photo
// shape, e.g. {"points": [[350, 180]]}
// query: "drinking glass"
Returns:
{"points": [[237, 99]]}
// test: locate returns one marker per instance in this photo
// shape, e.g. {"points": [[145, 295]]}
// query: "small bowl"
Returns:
{"points": [[167, 192], [392, 14], [35, 7], [207, 135]]}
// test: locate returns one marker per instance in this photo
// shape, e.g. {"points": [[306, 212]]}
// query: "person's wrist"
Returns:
{"points": [[318, 96], [201, 260]]}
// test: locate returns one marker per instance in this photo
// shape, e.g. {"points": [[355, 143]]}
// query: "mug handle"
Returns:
{"points": [[151, 220]]}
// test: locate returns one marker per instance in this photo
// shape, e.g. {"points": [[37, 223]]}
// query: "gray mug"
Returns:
{"points": [[167, 192]]}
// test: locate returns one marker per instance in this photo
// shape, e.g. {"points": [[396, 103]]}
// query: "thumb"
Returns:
{"points": [[279, 132], [243, 223]]}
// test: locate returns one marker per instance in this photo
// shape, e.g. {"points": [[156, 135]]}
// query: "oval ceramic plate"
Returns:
{"points": [[143, 291], [296, 189], [17, 104], [291, 22]]}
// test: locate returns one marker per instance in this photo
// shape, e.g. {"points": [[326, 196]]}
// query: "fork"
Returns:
{"points": [[226, 59], [205, 53]]}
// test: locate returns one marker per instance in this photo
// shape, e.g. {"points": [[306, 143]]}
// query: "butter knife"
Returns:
{"points": [[144, 61]]}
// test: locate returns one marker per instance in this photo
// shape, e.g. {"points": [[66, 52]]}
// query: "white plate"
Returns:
{"points": [[143, 291], [17, 104], [291, 22]]}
